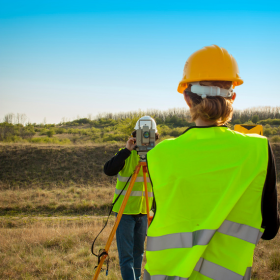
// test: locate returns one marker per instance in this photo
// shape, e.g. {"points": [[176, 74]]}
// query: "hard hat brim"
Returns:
{"points": [[184, 84]]}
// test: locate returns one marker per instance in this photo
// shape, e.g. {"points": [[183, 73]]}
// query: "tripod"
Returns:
{"points": [[129, 189]]}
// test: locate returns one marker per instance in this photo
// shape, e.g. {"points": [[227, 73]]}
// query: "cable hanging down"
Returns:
{"points": [[102, 252]]}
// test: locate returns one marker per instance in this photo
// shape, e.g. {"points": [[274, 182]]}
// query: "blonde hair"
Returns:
{"points": [[213, 108]]}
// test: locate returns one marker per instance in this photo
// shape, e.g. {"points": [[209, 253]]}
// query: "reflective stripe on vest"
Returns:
{"points": [[202, 237], [134, 193], [244, 232], [147, 276], [208, 269], [218, 272], [138, 179]]}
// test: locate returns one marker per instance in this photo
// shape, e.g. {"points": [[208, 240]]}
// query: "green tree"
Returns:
{"points": [[127, 125], [255, 118], [237, 121], [159, 121]]}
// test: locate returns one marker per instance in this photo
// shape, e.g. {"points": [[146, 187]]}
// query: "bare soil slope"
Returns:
{"points": [[27, 165]]}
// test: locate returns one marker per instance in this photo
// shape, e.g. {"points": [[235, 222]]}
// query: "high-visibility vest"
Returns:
{"points": [[136, 203], [208, 187]]}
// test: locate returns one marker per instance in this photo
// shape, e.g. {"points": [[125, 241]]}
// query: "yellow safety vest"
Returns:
{"points": [[208, 187], [136, 203]]}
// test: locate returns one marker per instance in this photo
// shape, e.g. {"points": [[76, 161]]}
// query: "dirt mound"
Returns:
{"points": [[44, 166], [47, 166]]}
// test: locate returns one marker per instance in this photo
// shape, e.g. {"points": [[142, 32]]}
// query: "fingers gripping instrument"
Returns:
{"points": [[105, 252]]}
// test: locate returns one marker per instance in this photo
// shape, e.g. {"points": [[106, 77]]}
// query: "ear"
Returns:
{"points": [[234, 96], [187, 99]]}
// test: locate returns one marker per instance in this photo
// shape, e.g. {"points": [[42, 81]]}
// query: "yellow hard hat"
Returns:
{"points": [[211, 63]]}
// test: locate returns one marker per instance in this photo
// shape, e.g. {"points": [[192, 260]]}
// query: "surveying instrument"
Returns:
{"points": [[145, 141]]}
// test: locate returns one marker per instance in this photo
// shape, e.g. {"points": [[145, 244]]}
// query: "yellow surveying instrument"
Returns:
{"points": [[248, 128], [145, 141]]}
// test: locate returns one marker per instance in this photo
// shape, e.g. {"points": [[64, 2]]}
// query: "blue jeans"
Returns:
{"points": [[130, 236]]}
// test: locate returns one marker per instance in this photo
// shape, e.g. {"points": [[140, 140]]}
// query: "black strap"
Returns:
{"points": [[92, 246]]}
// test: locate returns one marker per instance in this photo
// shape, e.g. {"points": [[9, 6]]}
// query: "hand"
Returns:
{"points": [[131, 143]]}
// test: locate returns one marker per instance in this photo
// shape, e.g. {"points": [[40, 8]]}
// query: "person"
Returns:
{"points": [[214, 188], [132, 229]]}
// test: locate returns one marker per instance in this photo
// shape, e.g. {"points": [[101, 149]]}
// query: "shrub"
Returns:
{"points": [[237, 121], [60, 130], [267, 131], [115, 137], [43, 131], [14, 139], [267, 126], [270, 121], [275, 139], [177, 131], [47, 140], [97, 140], [163, 130], [49, 125], [73, 131], [85, 132], [50, 133], [27, 132]]}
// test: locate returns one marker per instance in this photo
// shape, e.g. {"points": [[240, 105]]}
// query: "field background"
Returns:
{"points": [[54, 200], [54, 196]]}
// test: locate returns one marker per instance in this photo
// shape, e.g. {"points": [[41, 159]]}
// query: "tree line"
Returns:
{"points": [[110, 127]]}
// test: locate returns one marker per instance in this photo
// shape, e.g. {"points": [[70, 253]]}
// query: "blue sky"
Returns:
{"points": [[67, 58]]}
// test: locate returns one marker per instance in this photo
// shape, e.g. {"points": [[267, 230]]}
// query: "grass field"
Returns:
{"points": [[53, 202], [53, 248], [59, 248]]}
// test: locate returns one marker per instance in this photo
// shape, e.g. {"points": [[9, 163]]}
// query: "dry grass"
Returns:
{"points": [[267, 260], [59, 248], [61, 201], [53, 248]]}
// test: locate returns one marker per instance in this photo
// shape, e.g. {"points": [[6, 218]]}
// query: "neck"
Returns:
{"points": [[201, 122]]}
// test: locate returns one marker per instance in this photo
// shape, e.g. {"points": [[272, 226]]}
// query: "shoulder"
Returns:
{"points": [[250, 137], [252, 141], [123, 153], [166, 142], [163, 145]]}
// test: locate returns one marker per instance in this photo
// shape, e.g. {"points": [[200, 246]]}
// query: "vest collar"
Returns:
{"points": [[202, 127]]}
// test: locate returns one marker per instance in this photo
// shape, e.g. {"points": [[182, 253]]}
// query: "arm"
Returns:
{"points": [[269, 200], [117, 162]]}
